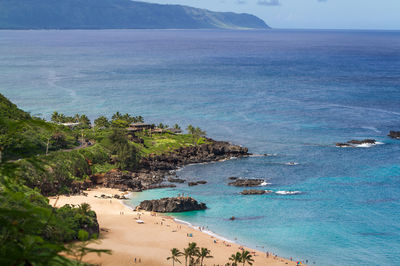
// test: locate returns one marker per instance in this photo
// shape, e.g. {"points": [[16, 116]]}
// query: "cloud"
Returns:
{"points": [[272, 2], [269, 2]]}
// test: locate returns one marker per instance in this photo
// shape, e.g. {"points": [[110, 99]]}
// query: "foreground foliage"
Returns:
{"points": [[33, 233]]}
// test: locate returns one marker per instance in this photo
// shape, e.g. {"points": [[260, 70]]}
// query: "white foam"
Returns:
{"points": [[284, 192], [208, 232], [364, 145], [368, 145], [373, 129], [291, 163], [263, 184]]}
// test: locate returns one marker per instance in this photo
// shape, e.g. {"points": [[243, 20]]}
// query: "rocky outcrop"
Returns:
{"points": [[213, 151], [255, 192], [179, 204], [365, 141], [153, 169], [202, 182], [242, 182], [394, 134], [176, 180], [133, 181], [354, 143]]}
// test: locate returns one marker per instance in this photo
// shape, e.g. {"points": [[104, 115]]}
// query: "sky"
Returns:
{"points": [[310, 14]]}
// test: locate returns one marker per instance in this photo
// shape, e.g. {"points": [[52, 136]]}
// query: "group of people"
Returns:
{"points": [[139, 260]]}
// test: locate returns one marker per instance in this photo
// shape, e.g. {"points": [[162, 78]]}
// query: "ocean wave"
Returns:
{"points": [[284, 192], [208, 232], [264, 155], [368, 145], [291, 163], [263, 184], [372, 128]]}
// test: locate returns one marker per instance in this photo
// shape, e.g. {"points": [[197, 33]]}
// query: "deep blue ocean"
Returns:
{"points": [[291, 94]]}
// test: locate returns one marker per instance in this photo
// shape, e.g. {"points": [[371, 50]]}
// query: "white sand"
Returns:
{"points": [[151, 241]]}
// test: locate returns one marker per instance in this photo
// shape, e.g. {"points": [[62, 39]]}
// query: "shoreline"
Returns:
{"points": [[151, 241]]}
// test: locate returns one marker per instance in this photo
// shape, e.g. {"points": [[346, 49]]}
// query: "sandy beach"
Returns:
{"points": [[150, 242]]}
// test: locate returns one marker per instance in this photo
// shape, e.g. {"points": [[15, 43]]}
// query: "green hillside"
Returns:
{"points": [[22, 135]]}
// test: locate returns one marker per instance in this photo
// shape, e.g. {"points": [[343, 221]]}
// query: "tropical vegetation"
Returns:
{"points": [[193, 254], [40, 158]]}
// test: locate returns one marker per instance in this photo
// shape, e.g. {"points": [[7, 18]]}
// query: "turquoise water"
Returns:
{"points": [[287, 93]]}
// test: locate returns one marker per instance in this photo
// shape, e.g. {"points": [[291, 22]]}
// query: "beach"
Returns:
{"points": [[150, 243]]}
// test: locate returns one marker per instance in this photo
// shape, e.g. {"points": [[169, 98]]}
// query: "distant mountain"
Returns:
{"points": [[116, 14]]}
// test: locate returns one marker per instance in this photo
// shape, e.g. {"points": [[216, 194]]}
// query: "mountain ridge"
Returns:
{"points": [[117, 14]]}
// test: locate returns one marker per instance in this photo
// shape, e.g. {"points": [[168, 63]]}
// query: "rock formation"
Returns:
{"points": [[214, 151], [394, 134], [354, 143], [242, 182], [255, 192], [202, 182], [179, 204], [175, 180]]}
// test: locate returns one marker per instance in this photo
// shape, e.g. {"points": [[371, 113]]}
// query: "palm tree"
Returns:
{"points": [[190, 129], [175, 253], [116, 116], [77, 118], [204, 253], [85, 208], [236, 258], [194, 251], [186, 253], [246, 257], [55, 117]]}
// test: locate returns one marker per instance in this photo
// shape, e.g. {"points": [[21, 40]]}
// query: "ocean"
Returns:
{"points": [[289, 93]]}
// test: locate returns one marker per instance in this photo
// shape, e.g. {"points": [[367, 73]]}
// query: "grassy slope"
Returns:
{"points": [[23, 136], [166, 142]]}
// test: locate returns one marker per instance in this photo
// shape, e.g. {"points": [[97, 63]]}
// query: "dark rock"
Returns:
{"points": [[241, 182], [365, 141], [154, 186], [176, 180], [233, 178], [394, 134], [253, 192], [353, 143], [343, 145], [152, 169], [180, 204], [201, 182], [213, 151]]}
